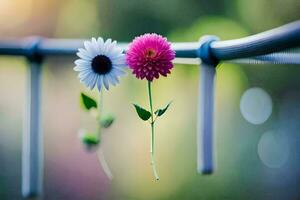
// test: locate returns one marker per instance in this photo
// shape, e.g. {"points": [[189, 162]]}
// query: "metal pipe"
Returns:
{"points": [[275, 40]]}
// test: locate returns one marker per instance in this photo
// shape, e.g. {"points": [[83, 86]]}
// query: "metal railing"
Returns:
{"points": [[273, 46]]}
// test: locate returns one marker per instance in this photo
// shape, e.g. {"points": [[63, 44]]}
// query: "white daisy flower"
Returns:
{"points": [[100, 63]]}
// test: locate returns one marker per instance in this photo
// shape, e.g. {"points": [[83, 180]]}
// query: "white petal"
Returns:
{"points": [[121, 67], [94, 81], [115, 53], [106, 46], [108, 41], [80, 62], [121, 55], [85, 53], [80, 55], [89, 47], [100, 44], [111, 48], [113, 79], [81, 68], [91, 81], [84, 74], [85, 77], [118, 71], [99, 83], [105, 82], [96, 46], [120, 60], [110, 80], [100, 41], [86, 80]]}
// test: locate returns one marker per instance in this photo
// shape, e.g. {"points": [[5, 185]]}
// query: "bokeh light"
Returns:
{"points": [[8, 9], [273, 149], [256, 105]]}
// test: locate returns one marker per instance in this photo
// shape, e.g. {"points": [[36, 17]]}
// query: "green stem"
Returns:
{"points": [[152, 134], [100, 153], [100, 110]]}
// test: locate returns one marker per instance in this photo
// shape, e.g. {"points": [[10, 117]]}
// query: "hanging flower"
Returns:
{"points": [[149, 56], [100, 63]]}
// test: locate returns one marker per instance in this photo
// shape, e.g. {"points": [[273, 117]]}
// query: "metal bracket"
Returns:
{"points": [[32, 144], [205, 142]]}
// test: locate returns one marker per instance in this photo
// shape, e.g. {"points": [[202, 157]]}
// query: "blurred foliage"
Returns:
{"points": [[260, 15], [223, 27], [124, 20], [78, 19]]}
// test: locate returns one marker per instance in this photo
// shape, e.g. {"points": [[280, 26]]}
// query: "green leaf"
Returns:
{"points": [[107, 120], [90, 139], [143, 114], [160, 112], [88, 102]]}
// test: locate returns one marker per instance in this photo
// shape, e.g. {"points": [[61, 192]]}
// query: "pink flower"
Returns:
{"points": [[149, 56]]}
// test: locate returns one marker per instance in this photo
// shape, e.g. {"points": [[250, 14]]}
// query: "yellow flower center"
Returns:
{"points": [[150, 53]]}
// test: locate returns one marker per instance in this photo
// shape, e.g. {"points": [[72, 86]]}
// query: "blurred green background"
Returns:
{"points": [[256, 131]]}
